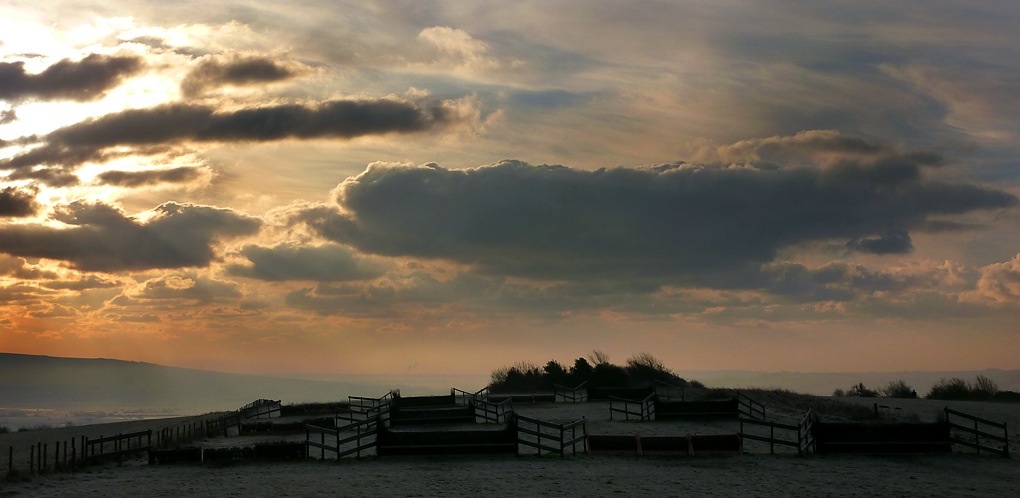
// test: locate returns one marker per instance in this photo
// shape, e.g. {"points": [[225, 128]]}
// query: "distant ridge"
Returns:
{"points": [[48, 382]]}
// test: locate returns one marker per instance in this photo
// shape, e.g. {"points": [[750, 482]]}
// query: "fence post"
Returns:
{"points": [[977, 438], [31, 460]]}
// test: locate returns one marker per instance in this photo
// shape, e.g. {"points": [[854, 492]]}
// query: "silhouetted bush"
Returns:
{"points": [[642, 369], [862, 391], [898, 389], [983, 389], [951, 389]]}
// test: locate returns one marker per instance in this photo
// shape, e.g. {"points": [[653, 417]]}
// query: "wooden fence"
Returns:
{"points": [[563, 394], [550, 436], [118, 446], [221, 425], [362, 409], [804, 437], [181, 433], [364, 438], [977, 436], [262, 408], [642, 409], [494, 413], [750, 407], [462, 397]]}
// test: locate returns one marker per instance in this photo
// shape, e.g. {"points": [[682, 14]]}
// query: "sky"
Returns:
{"points": [[420, 187]]}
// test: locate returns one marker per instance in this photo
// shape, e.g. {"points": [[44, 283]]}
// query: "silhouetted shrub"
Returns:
{"points": [[862, 391], [983, 388], [898, 389], [951, 389], [642, 369]]}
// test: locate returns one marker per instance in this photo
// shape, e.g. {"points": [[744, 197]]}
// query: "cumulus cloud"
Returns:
{"points": [[179, 123], [327, 263], [999, 283], [87, 79], [19, 268], [101, 238], [700, 224], [133, 179], [217, 71], [188, 286], [17, 203]]}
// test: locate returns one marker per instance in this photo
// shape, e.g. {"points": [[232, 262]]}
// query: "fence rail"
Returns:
{"points": [[750, 407], [804, 438], [262, 408], [563, 394], [364, 438], [548, 433], [643, 409], [494, 413], [978, 428], [222, 424]]}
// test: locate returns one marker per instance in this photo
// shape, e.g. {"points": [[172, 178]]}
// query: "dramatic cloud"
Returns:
{"points": [[327, 263], [215, 72], [16, 202], [8, 116], [179, 123], [19, 268], [82, 80], [101, 238], [708, 224], [999, 283], [188, 286], [131, 179]]}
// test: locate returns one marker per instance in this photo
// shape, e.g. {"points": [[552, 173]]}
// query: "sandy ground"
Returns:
{"points": [[756, 473]]}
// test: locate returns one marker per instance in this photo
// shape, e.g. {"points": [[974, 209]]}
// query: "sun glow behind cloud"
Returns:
{"points": [[722, 182]]}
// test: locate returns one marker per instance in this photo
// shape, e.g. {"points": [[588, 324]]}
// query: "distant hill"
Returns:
{"points": [[45, 382]]}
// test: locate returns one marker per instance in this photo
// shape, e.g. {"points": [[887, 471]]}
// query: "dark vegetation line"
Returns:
{"points": [[643, 369]]}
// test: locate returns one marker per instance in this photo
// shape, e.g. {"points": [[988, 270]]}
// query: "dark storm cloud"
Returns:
{"points": [[704, 225], [101, 238], [328, 263], [215, 72], [183, 174], [889, 243], [87, 79], [53, 177], [179, 123], [17, 203]]}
